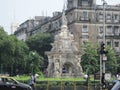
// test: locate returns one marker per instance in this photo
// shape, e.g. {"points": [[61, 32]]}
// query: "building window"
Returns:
{"points": [[85, 15], [109, 30], [116, 44], [85, 29], [79, 2], [100, 30], [70, 2], [116, 30], [84, 2], [108, 18], [109, 43], [100, 17], [116, 18]]}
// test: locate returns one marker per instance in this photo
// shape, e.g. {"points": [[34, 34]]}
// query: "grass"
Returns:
{"points": [[22, 78], [26, 78], [61, 79]]}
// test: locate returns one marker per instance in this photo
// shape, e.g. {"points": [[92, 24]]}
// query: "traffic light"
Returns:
{"points": [[102, 49]]}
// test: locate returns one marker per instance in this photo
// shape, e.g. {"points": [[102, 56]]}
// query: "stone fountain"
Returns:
{"points": [[65, 57]]}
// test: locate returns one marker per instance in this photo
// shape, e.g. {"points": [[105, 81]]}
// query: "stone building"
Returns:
{"points": [[25, 29], [85, 22], [65, 56]]}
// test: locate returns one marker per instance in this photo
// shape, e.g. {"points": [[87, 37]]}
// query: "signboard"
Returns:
{"points": [[104, 57]]}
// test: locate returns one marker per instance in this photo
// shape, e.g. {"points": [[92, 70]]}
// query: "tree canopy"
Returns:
{"points": [[91, 59], [40, 42], [14, 55]]}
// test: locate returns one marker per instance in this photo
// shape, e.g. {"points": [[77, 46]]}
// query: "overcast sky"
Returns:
{"points": [[20, 10]]}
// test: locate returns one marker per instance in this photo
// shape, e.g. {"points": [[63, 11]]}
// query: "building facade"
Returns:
{"points": [[85, 20], [25, 30]]}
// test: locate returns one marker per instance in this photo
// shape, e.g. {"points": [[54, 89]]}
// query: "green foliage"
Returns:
{"points": [[40, 43], [17, 58], [111, 63], [34, 61], [41, 75], [13, 53], [91, 59]]}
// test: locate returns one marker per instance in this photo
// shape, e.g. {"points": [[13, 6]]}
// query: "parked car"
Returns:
{"points": [[114, 85], [111, 84], [9, 83]]}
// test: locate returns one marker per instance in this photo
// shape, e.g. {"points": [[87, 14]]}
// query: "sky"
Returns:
{"points": [[18, 11]]}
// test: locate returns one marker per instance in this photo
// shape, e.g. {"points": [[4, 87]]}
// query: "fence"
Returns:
{"points": [[66, 85]]}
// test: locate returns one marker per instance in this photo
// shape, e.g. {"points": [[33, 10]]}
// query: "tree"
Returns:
{"points": [[34, 62], [20, 55], [3, 37], [111, 63], [41, 43], [13, 52], [15, 55], [90, 58]]}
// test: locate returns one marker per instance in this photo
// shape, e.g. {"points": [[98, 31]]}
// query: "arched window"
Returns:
{"points": [[66, 68]]}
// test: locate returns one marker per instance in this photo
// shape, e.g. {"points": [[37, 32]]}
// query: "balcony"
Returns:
{"points": [[116, 21], [83, 19], [109, 7]]}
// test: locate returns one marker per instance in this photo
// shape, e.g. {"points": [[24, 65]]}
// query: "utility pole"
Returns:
{"points": [[100, 71], [104, 3], [103, 53]]}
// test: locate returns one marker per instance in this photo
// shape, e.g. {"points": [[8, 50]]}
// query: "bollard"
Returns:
{"points": [[48, 85], [74, 85], [61, 85]]}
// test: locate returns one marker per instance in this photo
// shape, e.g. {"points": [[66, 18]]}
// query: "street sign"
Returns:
{"points": [[104, 57]]}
